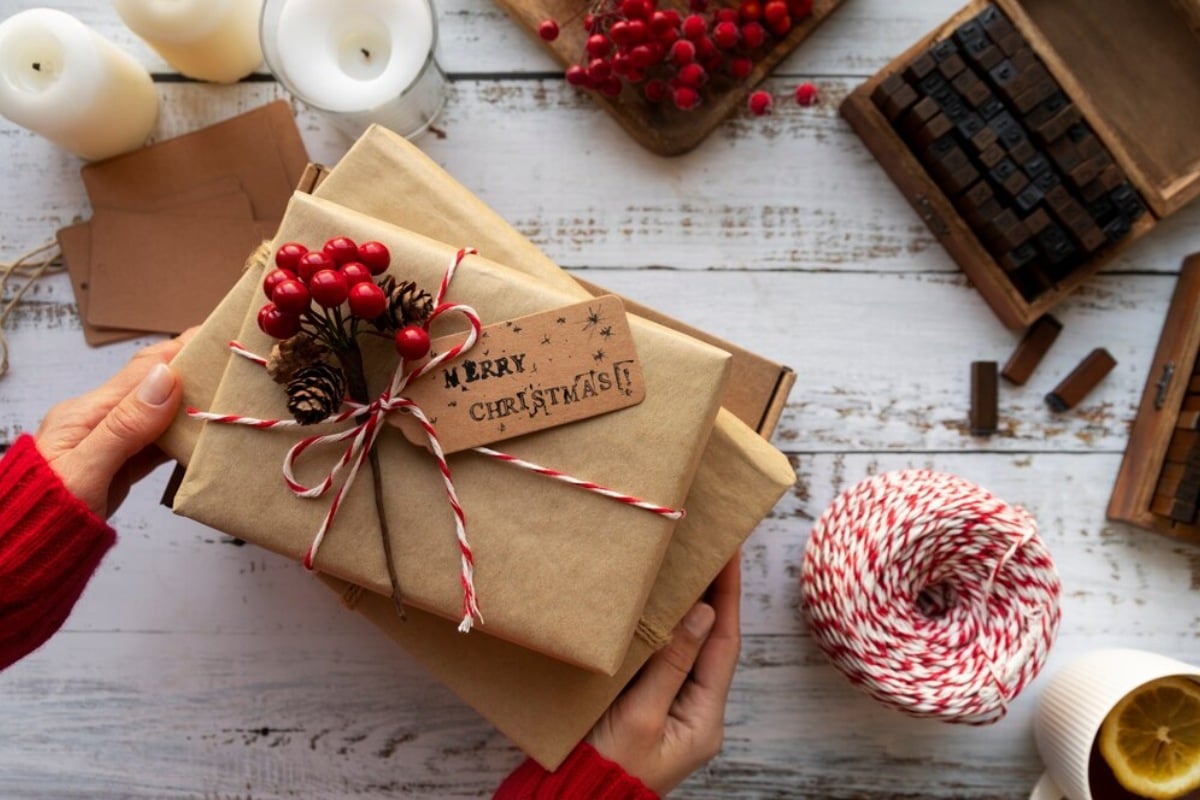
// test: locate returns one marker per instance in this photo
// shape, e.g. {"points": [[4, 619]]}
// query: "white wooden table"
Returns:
{"points": [[193, 668]]}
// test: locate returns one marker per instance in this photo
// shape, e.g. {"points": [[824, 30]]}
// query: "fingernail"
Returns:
{"points": [[157, 386], [699, 620]]}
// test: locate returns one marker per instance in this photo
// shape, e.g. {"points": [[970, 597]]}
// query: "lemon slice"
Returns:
{"points": [[1151, 739]]}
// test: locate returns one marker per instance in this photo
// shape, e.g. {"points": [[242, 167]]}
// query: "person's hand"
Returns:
{"points": [[101, 443], [670, 720]]}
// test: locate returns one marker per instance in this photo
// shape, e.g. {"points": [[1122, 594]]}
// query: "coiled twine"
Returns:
{"points": [[930, 593]]}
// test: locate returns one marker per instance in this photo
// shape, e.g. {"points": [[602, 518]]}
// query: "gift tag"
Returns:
{"points": [[529, 374]]}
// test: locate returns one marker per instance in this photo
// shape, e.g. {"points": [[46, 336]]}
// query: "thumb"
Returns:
{"points": [[135, 422]]}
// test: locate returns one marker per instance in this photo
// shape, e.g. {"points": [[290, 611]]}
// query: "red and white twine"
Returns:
{"points": [[370, 421], [931, 594]]}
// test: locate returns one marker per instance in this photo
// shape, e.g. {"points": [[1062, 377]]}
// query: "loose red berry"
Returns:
{"points": [[685, 98], [577, 75], [807, 94], [355, 273], [725, 35], [412, 342], [750, 11], [759, 103], [313, 262], [740, 67], [375, 255], [288, 254], [329, 288], [548, 30], [655, 90], [695, 27], [692, 76], [683, 52], [291, 297], [276, 277], [341, 249], [726, 15], [598, 45], [753, 35], [274, 322], [800, 9], [367, 301]]}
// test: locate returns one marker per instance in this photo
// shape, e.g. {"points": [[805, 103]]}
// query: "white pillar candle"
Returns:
{"points": [[59, 78], [210, 40], [363, 60]]}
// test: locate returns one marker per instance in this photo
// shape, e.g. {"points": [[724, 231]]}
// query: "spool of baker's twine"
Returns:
{"points": [[930, 593]]}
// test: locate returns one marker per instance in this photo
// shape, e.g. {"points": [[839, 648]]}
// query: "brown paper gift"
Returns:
{"points": [[558, 570]]}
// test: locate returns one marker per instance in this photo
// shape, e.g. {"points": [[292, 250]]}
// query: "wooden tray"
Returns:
{"points": [[661, 129]]}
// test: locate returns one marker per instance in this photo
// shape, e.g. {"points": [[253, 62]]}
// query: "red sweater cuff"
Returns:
{"points": [[585, 774], [50, 544]]}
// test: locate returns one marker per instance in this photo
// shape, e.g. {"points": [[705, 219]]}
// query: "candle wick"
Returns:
{"points": [[366, 53], [37, 66]]}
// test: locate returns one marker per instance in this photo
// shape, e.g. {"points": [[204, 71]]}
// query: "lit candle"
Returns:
{"points": [[59, 78], [210, 40], [362, 60]]}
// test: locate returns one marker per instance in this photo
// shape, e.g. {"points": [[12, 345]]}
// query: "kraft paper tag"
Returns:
{"points": [[529, 374]]}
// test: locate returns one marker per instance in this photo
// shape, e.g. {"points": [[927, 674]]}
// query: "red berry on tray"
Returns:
{"points": [[598, 45], [577, 75], [291, 297], [367, 301], [341, 249], [695, 27], [274, 322], [288, 254], [329, 288], [750, 10], [775, 12], [759, 103], [655, 90], [692, 75], [685, 98], [740, 67], [726, 15], [725, 35], [807, 94], [276, 277], [375, 255], [683, 52], [800, 8], [753, 35], [412, 342], [355, 273], [313, 262], [548, 30]]}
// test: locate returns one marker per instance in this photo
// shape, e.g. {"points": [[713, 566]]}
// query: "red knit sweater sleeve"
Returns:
{"points": [[50, 544], [585, 775]]}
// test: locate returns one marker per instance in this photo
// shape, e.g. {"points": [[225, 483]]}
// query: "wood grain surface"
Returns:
{"points": [[195, 668]]}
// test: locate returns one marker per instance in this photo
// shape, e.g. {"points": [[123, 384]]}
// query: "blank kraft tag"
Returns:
{"points": [[529, 374]]}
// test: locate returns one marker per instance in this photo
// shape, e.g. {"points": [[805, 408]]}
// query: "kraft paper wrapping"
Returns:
{"points": [[559, 570]]}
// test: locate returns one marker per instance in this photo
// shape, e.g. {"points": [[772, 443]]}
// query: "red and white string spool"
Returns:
{"points": [[930, 593]]}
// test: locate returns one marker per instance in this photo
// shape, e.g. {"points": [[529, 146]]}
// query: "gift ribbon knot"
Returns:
{"points": [[369, 420]]}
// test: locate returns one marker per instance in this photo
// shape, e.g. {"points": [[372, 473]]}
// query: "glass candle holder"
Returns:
{"points": [[358, 61]]}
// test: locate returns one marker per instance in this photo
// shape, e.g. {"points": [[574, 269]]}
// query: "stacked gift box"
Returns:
{"points": [[576, 590]]}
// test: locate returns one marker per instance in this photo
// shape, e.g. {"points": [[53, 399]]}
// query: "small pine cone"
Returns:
{"points": [[315, 392], [408, 304], [291, 355]]}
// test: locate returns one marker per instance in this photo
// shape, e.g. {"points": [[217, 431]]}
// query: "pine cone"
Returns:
{"points": [[315, 392], [408, 304], [291, 355]]}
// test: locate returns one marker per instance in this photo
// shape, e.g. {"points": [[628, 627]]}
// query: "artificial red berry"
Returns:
{"points": [[598, 71], [705, 48], [642, 56], [548, 30], [636, 76], [750, 10], [781, 26], [619, 33], [276, 277], [412, 342], [611, 87], [685, 98], [759, 103], [725, 35], [661, 24], [807, 94], [367, 301], [329, 288], [655, 90], [800, 9], [695, 27], [740, 67], [726, 15], [590, 23], [355, 273], [598, 45], [622, 64], [636, 9], [288, 254], [577, 75], [375, 255], [753, 35], [291, 297], [276, 323], [683, 52], [692, 76], [341, 249], [313, 262]]}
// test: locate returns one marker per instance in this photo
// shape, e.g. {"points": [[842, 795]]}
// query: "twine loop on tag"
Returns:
{"points": [[934, 596], [369, 421], [32, 266]]}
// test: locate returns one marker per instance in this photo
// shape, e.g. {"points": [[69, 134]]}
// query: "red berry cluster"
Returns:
{"points": [[672, 56], [341, 272]]}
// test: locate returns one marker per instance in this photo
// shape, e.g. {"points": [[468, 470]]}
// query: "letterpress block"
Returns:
{"points": [[1054, 128], [1028, 198], [1081, 381], [1018, 258], [1001, 171], [1064, 155], [1128, 203], [1092, 238], [940, 149], [894, 105], [1092, 191], [1011, 43], [934, 129], [1111, 177], [991, 155], [1037, 221], [1036, 166], [961, 178], [925, 110], [983, 139], [982, 53], [991, 108], [1102, 210], [1026, 63], [1047, 109], [932, 84], [1058, 198], [1032, 348], [1088, 145], [1035, 93], [944, 50], [1005, 232], [993, 22], [1055, 244], [1118, 229], [920, 67], [1085, 172], [1022, 151], [1015, 183], [1188, 420], [1008, 129], [952, 66], [981, 216], [1030, 281], [969, 125], [1002, 76], [942, 164], [970, 31], [954, 108], [1047, 181], [977, 195], [1181, 446], [965, 81], [985, 386]]}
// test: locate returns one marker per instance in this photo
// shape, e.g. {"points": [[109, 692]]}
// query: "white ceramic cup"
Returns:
{"points": [[1074, 705]]}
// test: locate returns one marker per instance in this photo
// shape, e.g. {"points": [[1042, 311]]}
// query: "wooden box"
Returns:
{"points": [[1168, 412], [1131, 68]]}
